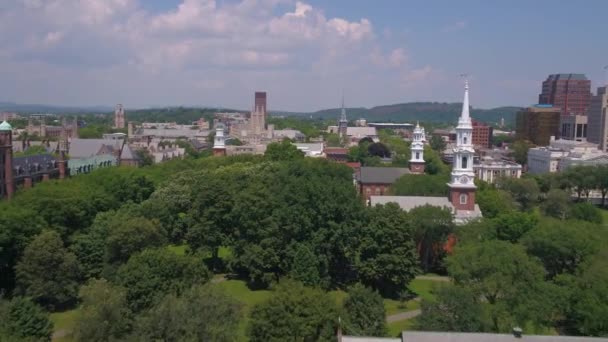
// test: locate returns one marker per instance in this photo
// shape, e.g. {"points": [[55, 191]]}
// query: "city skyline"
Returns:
{"points": [[215, 53]]}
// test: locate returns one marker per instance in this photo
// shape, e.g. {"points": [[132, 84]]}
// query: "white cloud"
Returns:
{"points": [[118, 46]]}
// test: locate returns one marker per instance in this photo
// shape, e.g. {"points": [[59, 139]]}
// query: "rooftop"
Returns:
{"points": [[5, 126], [573, 77], [381, 175]]}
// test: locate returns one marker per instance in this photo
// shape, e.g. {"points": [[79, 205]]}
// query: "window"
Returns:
{"points": [[463, 198], [464, 140], [417, 155], [464, 162]]}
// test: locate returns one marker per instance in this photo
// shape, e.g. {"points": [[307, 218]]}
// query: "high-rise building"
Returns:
{"points": [[571, 93], [598, 122], [6, 160], [119, 117], [417, 148], [482, 134], [574, 127], [537, 124], [462, 186], [260, 102]]}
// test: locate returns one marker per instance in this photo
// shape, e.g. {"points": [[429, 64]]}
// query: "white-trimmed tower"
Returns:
{"points": [[417, 148], [219, 142], [462, 186], [343, 123]]}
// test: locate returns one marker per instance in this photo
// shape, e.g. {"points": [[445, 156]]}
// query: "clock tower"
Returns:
{"points": [[462, 186], [417, 148]]}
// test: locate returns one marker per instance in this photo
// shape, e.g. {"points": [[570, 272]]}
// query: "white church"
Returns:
{"points": [[461, 198]]}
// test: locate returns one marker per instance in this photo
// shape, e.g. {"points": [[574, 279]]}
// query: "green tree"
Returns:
{"points": [[506, 278], [378, 150], [48, 273], [586, 212], [294, 313], [512, 226], [437, 143], [284, 150], [524, 190], [432, 226], [104, 314], [364, 312], [493, 202], [23, 320], [202, 313], [420, 185], [563, 245], [557, 204], [601, 181], [131, 236], [333, 140], [305, 266], [386, 258], [153, 273], [456, 308], [520, 151]]}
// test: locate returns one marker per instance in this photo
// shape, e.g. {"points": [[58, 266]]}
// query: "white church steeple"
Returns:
{"points": [[417, 148], [462, 185]]}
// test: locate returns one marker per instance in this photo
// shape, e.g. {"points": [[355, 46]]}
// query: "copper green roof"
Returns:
{"points": [[5, 126]]}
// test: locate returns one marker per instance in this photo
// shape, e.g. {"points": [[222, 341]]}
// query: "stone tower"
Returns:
{"points": [[6, 160], [462, 185], [119, 117], [417, 148]]}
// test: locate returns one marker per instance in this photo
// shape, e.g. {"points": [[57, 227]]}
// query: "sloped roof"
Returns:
{"points": [[127, 153], [415, 336], [85, 148], [5, 126], [381, 175]]}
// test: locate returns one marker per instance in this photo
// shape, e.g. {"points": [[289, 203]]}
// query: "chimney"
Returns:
{"points": [[517, 332]]}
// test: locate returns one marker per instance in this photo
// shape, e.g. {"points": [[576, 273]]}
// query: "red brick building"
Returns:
{"points": [[482, 134], [375, 181], [569, 92]]}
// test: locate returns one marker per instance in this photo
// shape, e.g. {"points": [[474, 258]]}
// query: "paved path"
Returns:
{"points": [[402, 316]]}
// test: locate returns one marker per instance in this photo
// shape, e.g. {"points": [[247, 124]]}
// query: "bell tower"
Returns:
{"points": [[462, 185], [417, 148], [219, 142], [6, 160]]}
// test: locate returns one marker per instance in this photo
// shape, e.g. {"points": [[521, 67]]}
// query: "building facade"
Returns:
{"points": [[598, 125], [376, 181], [482, 134], [561, 154], [6, 160], [219, 142], [571, 93], [261, 102], [537, 124], [489, 169], [574, 127]]}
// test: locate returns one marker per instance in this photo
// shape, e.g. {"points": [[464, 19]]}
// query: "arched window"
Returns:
{"points": [[464, 162], [417, 155], [464, 140], [463, 198]]}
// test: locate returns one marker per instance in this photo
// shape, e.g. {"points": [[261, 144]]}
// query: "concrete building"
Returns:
{"points": [[45, 131], [570, 93], [292, 134], [314, 150], [574, 127], [537, 124], [598, 123], [119, 117], [561, 154], [489, 169], [260, 101]]}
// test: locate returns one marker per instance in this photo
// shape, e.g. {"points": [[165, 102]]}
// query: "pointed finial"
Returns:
{"points": [[417, 124]]}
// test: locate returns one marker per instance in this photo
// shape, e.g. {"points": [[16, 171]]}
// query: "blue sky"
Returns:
{"points": [[205, 52]]}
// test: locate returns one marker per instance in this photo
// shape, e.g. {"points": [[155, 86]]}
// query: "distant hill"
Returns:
{"points": [[423, 111]]}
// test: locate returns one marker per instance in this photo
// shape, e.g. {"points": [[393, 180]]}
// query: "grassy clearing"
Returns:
{"points": [[604, 217], [424, 288], [395, 328], [64, 322], [394, 306]]}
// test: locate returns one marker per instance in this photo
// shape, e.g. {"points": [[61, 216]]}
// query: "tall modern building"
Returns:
{"points": [[598, 122], [260, 102], [482, 134], [119, 117], [537, 124], [571, 93]]}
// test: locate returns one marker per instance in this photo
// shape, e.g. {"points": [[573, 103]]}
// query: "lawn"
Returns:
{"points": [[604, 216], [395, 328], [424, 288], [64, 322]]}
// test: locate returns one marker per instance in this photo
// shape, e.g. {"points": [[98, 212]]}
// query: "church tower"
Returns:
{"points": [[219, 143], [6, 160], [462, 186], [417, 148], [343, 123]]}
